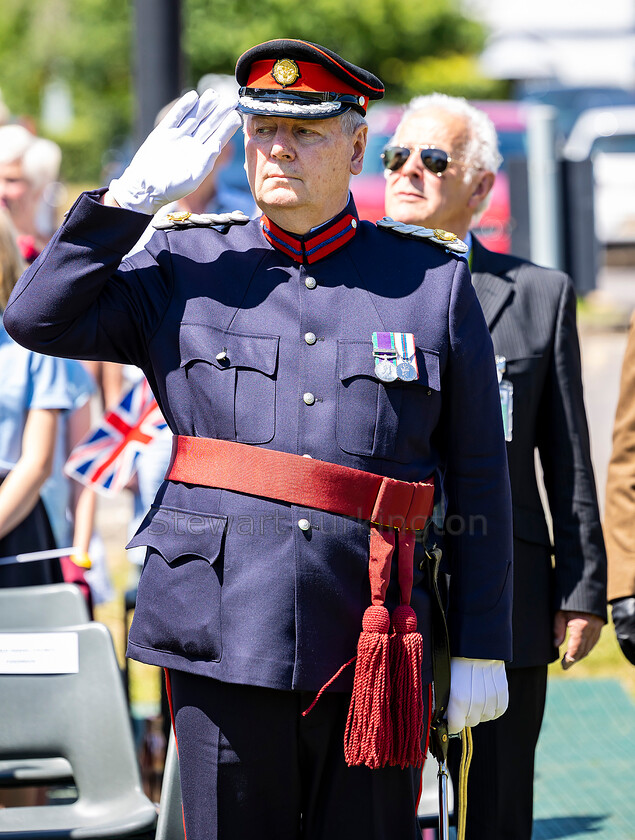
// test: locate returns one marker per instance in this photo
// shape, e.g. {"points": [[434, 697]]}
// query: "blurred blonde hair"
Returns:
{"points": [[11, 262]]}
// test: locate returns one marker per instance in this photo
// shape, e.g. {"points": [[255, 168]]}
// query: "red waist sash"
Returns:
{"points": [[301, 481], [385, 723]]}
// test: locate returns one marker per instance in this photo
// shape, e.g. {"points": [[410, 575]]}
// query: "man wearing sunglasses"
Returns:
{"points": [[440, 167]]}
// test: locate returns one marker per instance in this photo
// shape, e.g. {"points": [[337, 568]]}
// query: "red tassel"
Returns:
{"points": [[368, 736], [406, 653]]}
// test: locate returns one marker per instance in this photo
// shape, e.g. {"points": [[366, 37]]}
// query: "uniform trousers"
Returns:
{"points": [[500, 792], [252, 766]]}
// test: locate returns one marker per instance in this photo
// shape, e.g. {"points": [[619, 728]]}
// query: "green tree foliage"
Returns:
{"points": [[390, 37], [85, 44], [412, 45]]}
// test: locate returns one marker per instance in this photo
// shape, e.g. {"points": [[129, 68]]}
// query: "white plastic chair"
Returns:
{"points": [[170, 823], [83, 718], [39, 608]]}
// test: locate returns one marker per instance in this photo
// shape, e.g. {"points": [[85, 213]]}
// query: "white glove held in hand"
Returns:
{"points": [[179, 154], [478, 692]]}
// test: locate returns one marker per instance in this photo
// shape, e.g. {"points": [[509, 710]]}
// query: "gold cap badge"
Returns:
{"points": [[285, 71]]}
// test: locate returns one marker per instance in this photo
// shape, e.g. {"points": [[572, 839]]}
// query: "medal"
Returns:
{"points": [[506, 391], [386, 370], [385, 356], [501, 367], [407, 369]]}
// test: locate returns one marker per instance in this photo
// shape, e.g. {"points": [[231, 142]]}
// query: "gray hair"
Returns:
{"points": [[40, 158], [351, 121], [481, 150]]}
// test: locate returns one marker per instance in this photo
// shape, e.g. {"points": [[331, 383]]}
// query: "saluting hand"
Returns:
{"points": [[584, 631], [179, 154]]}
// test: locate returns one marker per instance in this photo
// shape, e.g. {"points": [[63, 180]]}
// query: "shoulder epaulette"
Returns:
{"points": [[447, 240], [182, 220]]}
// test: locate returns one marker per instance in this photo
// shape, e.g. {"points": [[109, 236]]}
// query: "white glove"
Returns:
{"points": [[478, 692], [179, 154]]}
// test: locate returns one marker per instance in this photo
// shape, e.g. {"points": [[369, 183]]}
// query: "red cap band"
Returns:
{"points": [[313, 78]]}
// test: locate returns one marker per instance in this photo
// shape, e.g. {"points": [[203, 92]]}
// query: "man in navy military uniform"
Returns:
{"points": [[316, 371]]}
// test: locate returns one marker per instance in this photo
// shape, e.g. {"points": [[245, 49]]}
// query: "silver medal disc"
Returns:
{"points": [[385, 370], [407, 371]]}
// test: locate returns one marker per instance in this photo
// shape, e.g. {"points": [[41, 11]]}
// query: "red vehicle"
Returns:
{"points": [[495, 226]]}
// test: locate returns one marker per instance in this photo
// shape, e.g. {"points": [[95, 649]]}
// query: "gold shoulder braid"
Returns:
{"points": [[181, 220], [447, 240]]}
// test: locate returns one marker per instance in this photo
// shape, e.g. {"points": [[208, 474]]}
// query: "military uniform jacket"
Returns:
{"points": [[241, 342], [531, 314]]}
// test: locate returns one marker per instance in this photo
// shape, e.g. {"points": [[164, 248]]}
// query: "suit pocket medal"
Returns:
{"points": [[506, 390]]}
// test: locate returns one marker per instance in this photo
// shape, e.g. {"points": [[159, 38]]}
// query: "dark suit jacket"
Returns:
{"points": [[531, 315], [232, 588]]}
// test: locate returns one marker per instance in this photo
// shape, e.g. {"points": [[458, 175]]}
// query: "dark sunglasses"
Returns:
{"points": [[435, 160]]}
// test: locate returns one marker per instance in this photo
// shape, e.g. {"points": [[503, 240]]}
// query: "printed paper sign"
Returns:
{"points": [[39, 653]]}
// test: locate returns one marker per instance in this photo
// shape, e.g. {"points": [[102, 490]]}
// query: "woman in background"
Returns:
{"points": [[33, 390]]}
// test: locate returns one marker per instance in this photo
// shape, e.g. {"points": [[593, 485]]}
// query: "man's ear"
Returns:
{"points": [[481, 187], [359, 147]]}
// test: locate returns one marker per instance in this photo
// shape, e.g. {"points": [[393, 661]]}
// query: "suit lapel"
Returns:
{"points": [[493, 290]]}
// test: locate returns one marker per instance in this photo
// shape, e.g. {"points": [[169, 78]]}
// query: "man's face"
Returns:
{"points": [[417, 196], [299, 170], [18, 196]]}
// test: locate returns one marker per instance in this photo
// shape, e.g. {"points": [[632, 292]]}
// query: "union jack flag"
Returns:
{"points": [[106, 459]]}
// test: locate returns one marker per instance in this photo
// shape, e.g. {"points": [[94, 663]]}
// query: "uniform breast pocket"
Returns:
{"points": [[232, 378], [179, 598], [391, 420]]}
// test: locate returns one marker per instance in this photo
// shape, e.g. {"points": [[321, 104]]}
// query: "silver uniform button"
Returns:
{"points": [[310, 338], [308, 398], [304, 524], [310, 282]]}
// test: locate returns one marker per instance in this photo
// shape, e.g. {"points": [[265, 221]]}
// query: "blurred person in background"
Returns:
{"points": [[44, 410], [620, 508], [72, 506], [33, 392], [110, 381], [440, 167], [29, 168]]}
